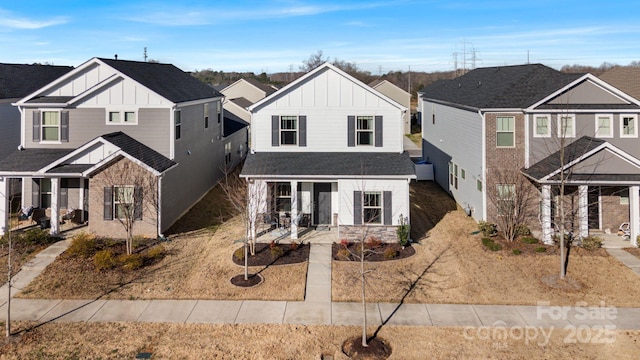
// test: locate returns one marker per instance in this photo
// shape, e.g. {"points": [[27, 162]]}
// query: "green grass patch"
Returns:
{"points": [[529, 240], [516, 251], [490, 244], [541, 249]]}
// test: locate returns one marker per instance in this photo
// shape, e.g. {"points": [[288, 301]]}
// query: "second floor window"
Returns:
{"points": [[206, 116], [566, 126], [505, 131], [50, 126], [628, 126], [542, 126], [288, 130], [364, 130], [178, 123], [122, 117], [603, 126]]}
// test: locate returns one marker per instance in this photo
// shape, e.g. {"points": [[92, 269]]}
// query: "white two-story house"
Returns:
{"points": [[327, 150], [112, 135]]}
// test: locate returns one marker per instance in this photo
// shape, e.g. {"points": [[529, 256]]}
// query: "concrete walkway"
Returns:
{"points": [[410, 147], [627, 259], [316, 309]]}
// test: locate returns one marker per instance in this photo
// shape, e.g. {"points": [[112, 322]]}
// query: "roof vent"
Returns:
{"points": [[116, 56]]}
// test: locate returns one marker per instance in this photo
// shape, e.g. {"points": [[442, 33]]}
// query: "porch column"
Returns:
{"points": [[81, 200], [4, 205], [55, 206], [545, 215], [294, 210], [583, 211], [634, 213]]}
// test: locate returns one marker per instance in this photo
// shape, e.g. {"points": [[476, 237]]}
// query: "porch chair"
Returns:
{"points": [[625, 229], [38, 214]]}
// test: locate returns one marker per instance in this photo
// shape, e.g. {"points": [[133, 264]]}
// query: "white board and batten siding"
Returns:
{"points": [[399, 197], [327, 99], [456, 136]]}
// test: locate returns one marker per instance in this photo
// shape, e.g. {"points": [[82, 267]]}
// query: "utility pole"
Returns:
{"points": [[145, 54]]}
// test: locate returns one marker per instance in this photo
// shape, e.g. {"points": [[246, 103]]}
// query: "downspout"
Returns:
{"points": [[484, 165], [159, 207]]}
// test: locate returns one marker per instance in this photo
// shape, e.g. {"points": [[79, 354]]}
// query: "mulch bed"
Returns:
{"points": [[633, 251], [274, 254], [252, 280], [373, 252], [376, 349], [530, 249]]}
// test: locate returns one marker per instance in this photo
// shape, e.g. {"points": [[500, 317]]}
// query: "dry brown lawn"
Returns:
{"points": [[452, 266], [181, 341]]}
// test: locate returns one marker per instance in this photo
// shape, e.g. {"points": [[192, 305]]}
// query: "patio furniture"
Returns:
{"points": [[38, 214], [625, 229]]}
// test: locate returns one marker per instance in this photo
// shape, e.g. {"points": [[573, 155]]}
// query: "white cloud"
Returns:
{"points": [[8, 20]]}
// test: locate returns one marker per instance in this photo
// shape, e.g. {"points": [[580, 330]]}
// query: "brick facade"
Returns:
{"points": [[613, 212], [122, 172]]}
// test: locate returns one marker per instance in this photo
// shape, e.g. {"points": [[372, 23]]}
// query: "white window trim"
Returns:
{"points": [[206, 117], [500, 199], [513, 132], [573, 128], [122, 117], [372, 131], [42, 141], [176, 125], [114, 202], [535, 126], [297, 130], [635, 125], [380, 206], [597, 125]]}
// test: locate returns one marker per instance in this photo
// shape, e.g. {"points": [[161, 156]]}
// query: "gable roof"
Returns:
{"points": [[31, 160], [311, 74], [625, 78], [139, 151], [328, 164], [379, 82], [501, 87], [19, 80], [268, 90], [165, 79]]}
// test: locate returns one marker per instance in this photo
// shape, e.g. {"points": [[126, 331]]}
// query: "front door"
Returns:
{"points": [[322, 203]]}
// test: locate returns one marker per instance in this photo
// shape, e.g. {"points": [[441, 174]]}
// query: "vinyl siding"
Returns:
{"points": [[399, 197], [9, 127], [456, 136], [587, 93]]}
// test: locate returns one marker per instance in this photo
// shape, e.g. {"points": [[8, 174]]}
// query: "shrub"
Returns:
{"points": [[373, 242], [402, 231], [490, 244], [104, 260], [83, 245], [541, 249], [343, 253], [591, 242], [522, 230], [390, 253], [130, 262], [157, 252], [486, 228], [529, 240], [239, 254], [36, 237], [294, 245], [516, 251]]}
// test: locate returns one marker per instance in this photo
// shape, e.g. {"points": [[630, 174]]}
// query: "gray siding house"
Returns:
{"points": [[496, 119], [81, 130]]}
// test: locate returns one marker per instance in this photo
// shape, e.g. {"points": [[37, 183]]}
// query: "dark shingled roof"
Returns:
{"points": [[70, 169], [165, 79], [232, 124], [517, 86], [268, 90], [139, 151], [572, 151], [242, 102], [328, 164], [50, 99], [18, 80], [29, 160]]}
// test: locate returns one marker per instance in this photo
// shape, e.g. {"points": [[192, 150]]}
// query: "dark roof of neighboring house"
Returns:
{"points": [[517, 86], [139, 151], [328, 164], [164, 79], [572, 152], [242, 102], [29, 160], [268, 90], [219, 87], [19, 80], [232, 124], [625, 78]]}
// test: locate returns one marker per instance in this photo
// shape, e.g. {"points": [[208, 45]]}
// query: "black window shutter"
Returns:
{"points": [[36, 126], [35, 193], [357, 208], [64, 193], [108, 203], [303, 130], [137, 203], [275, 130], [64, 126], [387, 207], [378, 126], [351, 130]]}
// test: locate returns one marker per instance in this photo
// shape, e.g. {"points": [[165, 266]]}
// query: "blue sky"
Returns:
{"points": [[277, 35]]}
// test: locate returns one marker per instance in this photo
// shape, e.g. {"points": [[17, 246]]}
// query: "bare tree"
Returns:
{"points": [[313, 61], [248, 199], [514, 199], [130, 195]]}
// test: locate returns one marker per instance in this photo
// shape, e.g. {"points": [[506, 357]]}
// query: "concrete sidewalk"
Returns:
{"points": [[315, 313], [627, 259]]}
